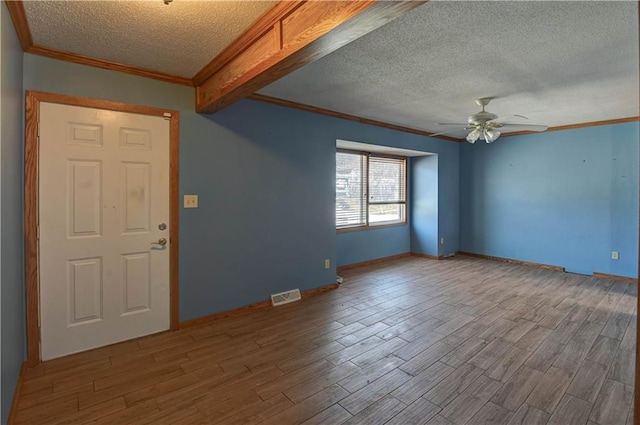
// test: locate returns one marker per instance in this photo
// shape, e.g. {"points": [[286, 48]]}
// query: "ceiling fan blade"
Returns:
{"points": [[502, 120], [523, 127], [443, 133], [463, 124]]}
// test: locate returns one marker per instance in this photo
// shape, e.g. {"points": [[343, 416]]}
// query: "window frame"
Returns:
{"points": [[405, 203]]}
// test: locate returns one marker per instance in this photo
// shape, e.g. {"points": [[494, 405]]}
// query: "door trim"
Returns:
{"points": [[32, 118]]}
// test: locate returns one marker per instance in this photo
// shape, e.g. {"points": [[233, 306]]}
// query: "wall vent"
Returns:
{"points": [[285, 297]]}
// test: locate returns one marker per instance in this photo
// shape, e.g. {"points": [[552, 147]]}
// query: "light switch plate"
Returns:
{"points": [[190, 201]]}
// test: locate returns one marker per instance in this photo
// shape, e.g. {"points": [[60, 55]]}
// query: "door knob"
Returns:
{"points": [[161, 242]]}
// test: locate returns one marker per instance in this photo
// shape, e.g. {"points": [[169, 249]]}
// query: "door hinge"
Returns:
{"points": [[38, 232], [38, 129], [167, 115]]}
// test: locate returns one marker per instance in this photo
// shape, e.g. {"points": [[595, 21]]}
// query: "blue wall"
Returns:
{"points": [[266, 180], [565, 198], [363, 245], [11, 248], [265, 217], [449, 200], [429, 176], [424, 205]]}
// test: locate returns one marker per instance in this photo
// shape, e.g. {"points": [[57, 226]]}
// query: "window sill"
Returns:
{"points": [[361, 228]]}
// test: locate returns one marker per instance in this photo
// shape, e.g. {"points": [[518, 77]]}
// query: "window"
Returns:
{"points": [[370, 189]]}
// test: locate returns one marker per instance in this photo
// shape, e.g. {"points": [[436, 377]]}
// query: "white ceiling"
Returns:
{"points": [[556, 62], [177, 39]]}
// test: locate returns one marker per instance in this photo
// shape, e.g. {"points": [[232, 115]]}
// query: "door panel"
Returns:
{"points": [[85, 290], [103, 191], [134, 196], [135, 279], [84, 189]]}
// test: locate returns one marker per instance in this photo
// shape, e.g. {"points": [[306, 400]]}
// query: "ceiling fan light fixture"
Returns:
{"points": [[491, 135], [484, 125], [473, 135]]}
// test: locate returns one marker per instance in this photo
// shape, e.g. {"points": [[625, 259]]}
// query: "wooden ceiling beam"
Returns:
{"points": [[291, 35]]}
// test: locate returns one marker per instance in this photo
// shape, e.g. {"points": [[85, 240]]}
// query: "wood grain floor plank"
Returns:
{"points": [[354, 350], [417, 413], [464, 352], [364, 333], [613, 403], [452, 385], [378, 413], [255, 412], [379, 352], [462, 408], [366, 375], [306, 389], [335, 414], [516, 390], [170, 385], [410, 341], [439, 420], [281, 383], [550, 389], [376, 390], [603, 350], [571, 411], [309, 407], [130, 415], [418, 385], [503, 368], [545, 355], [492, 352], [187, 411], [623, 367], [628, 342], [426, 358], [527, 415], [492, 414], [588, 381], [533, 338]]}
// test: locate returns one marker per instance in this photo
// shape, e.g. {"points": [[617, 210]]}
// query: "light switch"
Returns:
{"points": [[190, 201]]}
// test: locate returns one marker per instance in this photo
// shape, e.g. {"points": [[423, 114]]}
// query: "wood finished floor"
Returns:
{"points": [[413, 341]]}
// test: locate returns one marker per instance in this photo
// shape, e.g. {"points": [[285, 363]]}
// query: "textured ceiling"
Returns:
{"points": [[177, 39], [557, 63]]}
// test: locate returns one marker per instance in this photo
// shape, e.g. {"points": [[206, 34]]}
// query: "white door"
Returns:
{"points": [[103, 202]]}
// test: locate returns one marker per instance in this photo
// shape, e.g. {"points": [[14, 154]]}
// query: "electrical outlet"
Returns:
{"points": [[615, 255], [441, 241], [190, 201], [327, 263]]}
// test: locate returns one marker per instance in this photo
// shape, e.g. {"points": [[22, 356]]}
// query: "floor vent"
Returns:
{"points": [[285, 297]]}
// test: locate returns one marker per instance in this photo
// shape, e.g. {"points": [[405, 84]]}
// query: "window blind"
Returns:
{"points": [[386, 180], [370, 189], [351, 189]]}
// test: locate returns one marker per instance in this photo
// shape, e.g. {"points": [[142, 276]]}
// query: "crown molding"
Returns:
{"points": [[335, 114], [104, 64], [19, 18]]}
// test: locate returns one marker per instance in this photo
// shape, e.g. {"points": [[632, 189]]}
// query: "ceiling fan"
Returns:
{"points": [[486, 126]]}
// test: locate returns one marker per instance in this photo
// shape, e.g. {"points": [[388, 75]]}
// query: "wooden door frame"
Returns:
{"points": [[31, 210]]}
